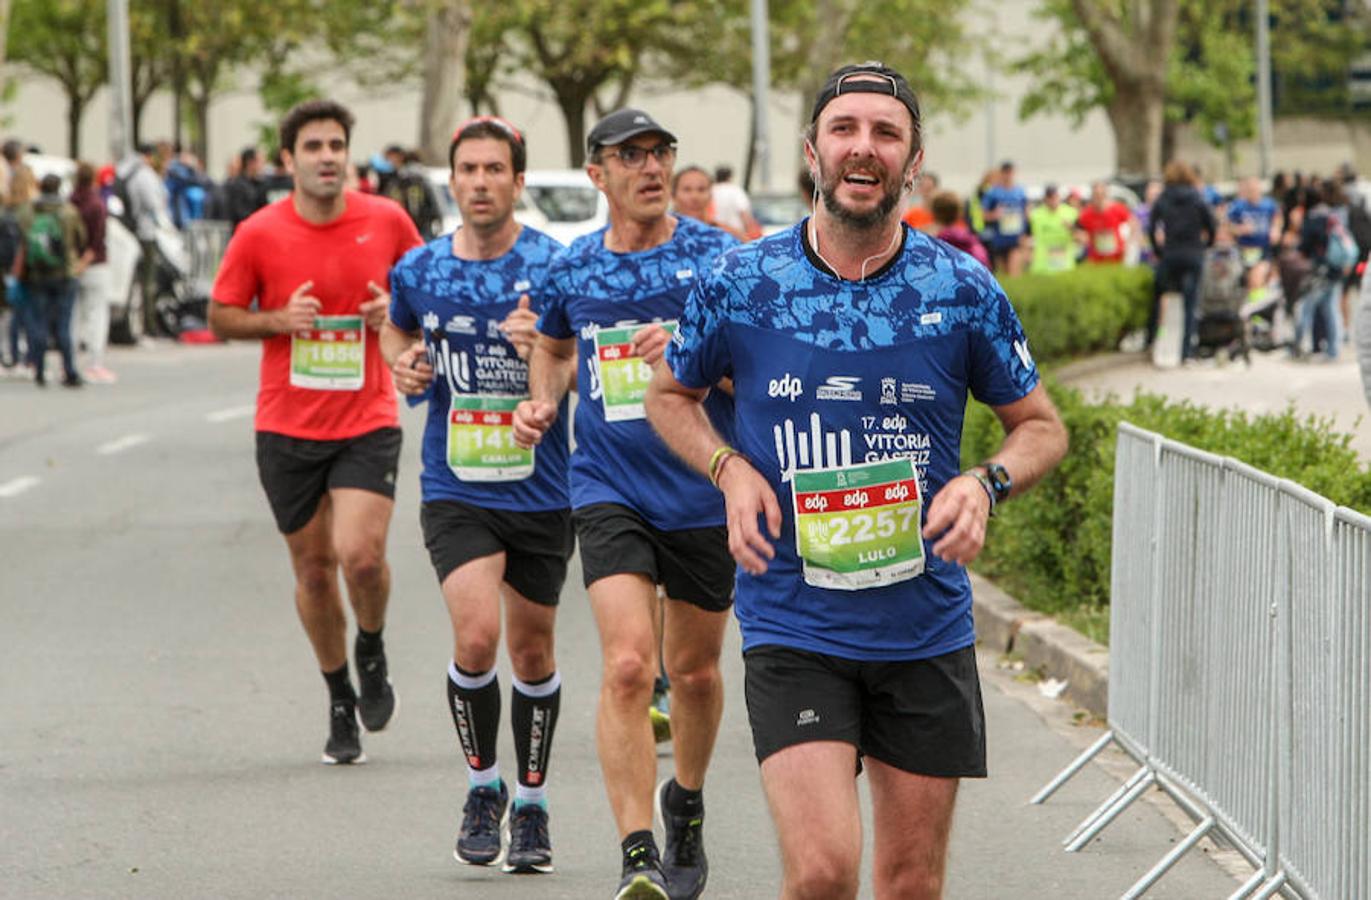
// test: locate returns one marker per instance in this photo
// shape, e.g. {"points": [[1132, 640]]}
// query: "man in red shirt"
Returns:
{"points": [[1102, 220], [328, 436]]}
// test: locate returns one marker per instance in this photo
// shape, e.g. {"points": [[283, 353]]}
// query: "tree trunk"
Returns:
{"points": [[4, 28], [76, 111], [445, 39], [572, 99], [1170, 137], [1136, 114], [200, 126]]}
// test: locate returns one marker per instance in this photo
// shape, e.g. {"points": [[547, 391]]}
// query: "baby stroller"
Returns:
{"points": [[1222, 327]]}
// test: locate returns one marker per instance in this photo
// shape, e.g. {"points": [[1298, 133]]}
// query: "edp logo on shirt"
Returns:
{"points": [[787, 387]]}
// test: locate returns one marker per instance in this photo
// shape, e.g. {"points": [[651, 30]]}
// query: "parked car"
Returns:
{"points": [[778, 210], [562, 203]]}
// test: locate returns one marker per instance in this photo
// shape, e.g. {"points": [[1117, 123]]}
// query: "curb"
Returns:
{"points": [[1093, 365], [1004, 625]]}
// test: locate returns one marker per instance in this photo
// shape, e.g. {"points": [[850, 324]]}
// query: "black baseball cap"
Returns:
{"points": [[869, 78], [621, 125]]}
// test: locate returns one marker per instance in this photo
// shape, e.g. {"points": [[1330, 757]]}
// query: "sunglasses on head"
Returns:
{"points": [[496, 121]]}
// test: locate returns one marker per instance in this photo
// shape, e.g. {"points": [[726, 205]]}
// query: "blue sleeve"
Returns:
{"points": [[553, 320], [400, 312], [1002, 369], [699, 354]]}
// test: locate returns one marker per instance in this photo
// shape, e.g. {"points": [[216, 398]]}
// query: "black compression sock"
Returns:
{"points": [[682, 801], [340, 685], [474, 701], [368, 643], [533, 709]]}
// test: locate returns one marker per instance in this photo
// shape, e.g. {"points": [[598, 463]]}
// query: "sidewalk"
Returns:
{"points": [[1272, 383]]}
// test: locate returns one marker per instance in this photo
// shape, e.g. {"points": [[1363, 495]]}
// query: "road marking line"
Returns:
{"points": [[233, 412], [16, 486], [119, 445]]}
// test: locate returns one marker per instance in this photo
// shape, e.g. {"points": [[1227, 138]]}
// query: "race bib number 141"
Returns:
{"points": [[858, 526]]}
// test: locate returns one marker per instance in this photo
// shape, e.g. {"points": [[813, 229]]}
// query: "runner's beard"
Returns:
{"points": [[876, 215]]}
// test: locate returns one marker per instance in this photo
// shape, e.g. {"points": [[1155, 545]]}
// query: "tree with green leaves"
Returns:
{"points": [[809, 39], [1205, 76], [578, 48], [1110, 54], [64, 40]]}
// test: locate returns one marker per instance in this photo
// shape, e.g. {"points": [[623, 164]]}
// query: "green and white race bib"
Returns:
{"points": [[1106, 243], [623, 374], [331, 356], [1011, 222], [480, 439], [858, 526]]}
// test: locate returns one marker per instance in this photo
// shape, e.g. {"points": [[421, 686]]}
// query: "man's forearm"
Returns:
{"points": [[680, 420], [236, 323], [394, 342], [1031, 450], [550, 370]]}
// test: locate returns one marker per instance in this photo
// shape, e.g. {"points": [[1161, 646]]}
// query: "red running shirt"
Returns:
{"points": [[1105, 230], [272, 253]]}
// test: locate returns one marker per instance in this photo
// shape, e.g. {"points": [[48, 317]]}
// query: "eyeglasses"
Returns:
{"points": [[633, 156]]}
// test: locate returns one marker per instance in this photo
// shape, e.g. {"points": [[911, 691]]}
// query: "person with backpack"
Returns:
{"points": [[51, 255], [1327, 243]]}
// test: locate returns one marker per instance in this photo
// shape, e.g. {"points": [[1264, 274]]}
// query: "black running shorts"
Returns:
{"points": [[536, 545], [922, 716], [297, 472], [693, 564]]}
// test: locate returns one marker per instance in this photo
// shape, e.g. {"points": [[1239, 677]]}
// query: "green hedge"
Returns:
{"points": [[1086, 310], [1050, 548]]}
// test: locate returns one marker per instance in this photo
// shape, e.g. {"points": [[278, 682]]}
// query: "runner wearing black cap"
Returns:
{"points": [[641, 519], [853, 342]]}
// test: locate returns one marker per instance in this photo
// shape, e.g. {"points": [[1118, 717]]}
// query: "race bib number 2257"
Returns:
{"points": [[858, 526]]}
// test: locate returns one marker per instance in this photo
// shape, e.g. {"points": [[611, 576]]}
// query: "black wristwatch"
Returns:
{"points": [[1000, 482]]}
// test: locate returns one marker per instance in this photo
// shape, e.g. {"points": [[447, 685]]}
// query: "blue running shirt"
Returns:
{"points": [[459, 305], [620, 459], [828, 372]]}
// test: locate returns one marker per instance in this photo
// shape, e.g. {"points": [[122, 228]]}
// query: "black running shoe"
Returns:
{"points": [[483, 821], [642, 878], [530, 846], [683, 860], [376, 702], [344, 746]]}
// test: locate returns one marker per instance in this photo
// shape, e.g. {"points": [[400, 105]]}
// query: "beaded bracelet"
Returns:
{"points": [[716, 462]]}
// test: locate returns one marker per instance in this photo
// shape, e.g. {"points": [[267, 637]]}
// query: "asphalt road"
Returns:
{"points": [[161, 717]]}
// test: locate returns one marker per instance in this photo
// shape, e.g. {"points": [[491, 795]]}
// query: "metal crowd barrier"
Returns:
{"points": [[205, 243], [1240, 667]]}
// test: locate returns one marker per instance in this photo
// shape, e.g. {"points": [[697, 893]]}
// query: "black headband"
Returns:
{"points": [[866, 78]]}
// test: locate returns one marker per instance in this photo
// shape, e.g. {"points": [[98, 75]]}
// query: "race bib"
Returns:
{"points": [[1011, 222], [1251, 256], [1059, 258], [1106, 243], [480, 439], [623, 375], [858, 526], [331, 356]]}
